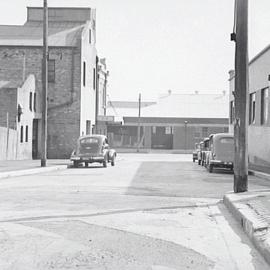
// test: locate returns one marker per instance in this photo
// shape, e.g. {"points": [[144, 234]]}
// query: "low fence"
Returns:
{"points": [[8, 144]]}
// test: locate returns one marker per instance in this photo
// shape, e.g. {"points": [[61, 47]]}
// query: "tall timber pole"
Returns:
{"points": [[139, 125], [241, 98], [44, 85]]}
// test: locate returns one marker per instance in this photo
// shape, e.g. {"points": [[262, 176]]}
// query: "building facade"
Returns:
{"points": [[19, 114], [175, 121], [258, 110], [72, 70]]}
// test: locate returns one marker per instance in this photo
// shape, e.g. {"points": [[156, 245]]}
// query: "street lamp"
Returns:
{"points": [[186, 122]]}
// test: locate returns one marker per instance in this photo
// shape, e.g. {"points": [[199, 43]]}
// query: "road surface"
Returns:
{"points": [[150, 211]]}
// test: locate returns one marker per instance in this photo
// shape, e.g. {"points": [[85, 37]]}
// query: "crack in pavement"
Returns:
{"points": [[202, 205]]}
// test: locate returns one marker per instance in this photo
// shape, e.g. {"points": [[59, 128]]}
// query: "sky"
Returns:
{"points": [[153, 46]]}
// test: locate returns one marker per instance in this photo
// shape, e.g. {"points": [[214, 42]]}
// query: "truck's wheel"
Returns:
{"points": [[210, 168], [75, 164]]}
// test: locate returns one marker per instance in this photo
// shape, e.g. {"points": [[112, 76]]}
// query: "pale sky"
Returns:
{"points": [[152, 46]]}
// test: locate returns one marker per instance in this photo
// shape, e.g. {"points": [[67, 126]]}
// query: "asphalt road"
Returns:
{"points": [[150, 211]]}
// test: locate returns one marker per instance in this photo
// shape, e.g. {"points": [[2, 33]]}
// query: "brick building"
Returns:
{"points": [[72, 70], [258, 108]]}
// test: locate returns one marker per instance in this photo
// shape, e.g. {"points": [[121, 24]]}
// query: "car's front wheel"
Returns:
{"points": [[105, 161], [113, 161]]}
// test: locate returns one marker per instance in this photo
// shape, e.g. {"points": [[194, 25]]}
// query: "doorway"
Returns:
{"points": [[35, 139], [162, 137]]}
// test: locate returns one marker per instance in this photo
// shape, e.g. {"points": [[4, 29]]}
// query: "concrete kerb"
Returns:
{"points": [[253, 225], [265, 176], [31, 171]]}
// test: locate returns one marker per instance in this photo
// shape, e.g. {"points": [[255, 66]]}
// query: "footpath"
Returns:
{"points": [[11, 168], [252, 210]]}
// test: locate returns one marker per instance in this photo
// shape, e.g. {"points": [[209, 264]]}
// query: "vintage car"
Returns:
{"points": [[195, 152], [205, 151], [200, 153], [221, 151], [93, 148]]}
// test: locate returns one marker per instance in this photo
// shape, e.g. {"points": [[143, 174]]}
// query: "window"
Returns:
{"points": [[35, 102], [88, 127], [21, 134], [94, 78], [225, 129], [154, 130], [26, 134], [51, 70], [84, 70], [232, 111], [226, 140], [168, 130], [197, 135], [204, 131], [252, 103], [30, 101], [264, 106]]}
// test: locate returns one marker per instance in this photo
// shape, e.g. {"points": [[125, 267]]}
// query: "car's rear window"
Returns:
{"points": [[226, 140], [89, 141]]}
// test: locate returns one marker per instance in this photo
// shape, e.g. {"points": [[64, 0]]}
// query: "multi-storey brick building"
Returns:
{"points": [[72, 70]]}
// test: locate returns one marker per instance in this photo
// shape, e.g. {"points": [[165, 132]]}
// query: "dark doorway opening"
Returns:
{"points": [[162, 137], [35, 139]]}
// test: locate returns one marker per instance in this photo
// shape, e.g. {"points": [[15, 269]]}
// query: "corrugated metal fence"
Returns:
{"points": [[8, 144]]}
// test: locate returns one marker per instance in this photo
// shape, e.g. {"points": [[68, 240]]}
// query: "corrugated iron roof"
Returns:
{"points": [[177, 106], [190, 105]]}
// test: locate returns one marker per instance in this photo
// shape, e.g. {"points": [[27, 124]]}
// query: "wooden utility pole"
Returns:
{"points": [[7, 135], [241, 98], [44, 86], [139, 125]]}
